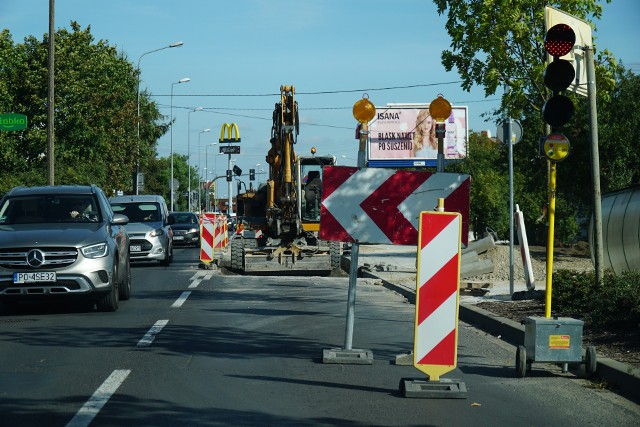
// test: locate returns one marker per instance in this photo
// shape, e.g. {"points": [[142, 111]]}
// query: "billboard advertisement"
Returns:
{"points": [[404, 135]]}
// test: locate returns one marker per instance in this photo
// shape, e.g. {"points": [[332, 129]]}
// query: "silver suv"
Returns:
{"points": [[149, 227], [63, 242]]}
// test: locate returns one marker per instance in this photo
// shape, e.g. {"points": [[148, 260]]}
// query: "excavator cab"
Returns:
{"points": [[311, 189]]}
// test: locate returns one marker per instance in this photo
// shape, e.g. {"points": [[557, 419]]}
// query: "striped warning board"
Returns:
{"points": [[207, 229], [220, 233], [437, 284]]}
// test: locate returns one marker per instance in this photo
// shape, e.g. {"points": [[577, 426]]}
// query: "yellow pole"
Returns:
{"points": [[552, 215]]}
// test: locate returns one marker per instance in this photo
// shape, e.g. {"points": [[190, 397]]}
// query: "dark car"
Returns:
{"points": [[63, 242], [186, 228]]}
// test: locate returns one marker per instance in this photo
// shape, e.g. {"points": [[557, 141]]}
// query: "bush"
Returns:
{"points": [[613, 303]]}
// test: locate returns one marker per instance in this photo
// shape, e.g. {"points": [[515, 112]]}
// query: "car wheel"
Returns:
{"points": [[109, 302], [125, 285], [168, 256]]}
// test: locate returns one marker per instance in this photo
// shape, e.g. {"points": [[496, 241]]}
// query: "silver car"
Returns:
{"points": [[149, 227], [63, 242]]}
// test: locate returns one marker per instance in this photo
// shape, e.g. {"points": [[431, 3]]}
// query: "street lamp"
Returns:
{"points": [[206, 166], [176, 44], [189, 151], [200, 151], [183, 80]]}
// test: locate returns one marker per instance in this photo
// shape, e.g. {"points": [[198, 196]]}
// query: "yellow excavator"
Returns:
{"points": [[278, 222]]}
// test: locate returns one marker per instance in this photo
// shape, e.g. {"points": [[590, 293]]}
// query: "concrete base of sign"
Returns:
{"points": [[443, 389], [206, 265], [405, 359], [349, 357]]}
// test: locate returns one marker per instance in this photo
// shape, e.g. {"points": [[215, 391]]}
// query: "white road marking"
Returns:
{"points": [[195, 283], [151, 334], [181, 299], [100, 397]]}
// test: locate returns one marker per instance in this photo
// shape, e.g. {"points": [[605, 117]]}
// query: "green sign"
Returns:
{"points": [[12, 121]]}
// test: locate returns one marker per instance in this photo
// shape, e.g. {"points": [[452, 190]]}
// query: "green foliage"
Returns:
{"points": [[615, 302], [499, 43], [95, 112]]}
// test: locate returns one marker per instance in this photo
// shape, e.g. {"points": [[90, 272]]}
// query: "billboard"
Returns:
{"points": [[404, 135]]}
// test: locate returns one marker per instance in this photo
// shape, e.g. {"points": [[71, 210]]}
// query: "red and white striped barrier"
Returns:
{"points": [[207, 229], [529, 279], [220, 234], [437, 296]]}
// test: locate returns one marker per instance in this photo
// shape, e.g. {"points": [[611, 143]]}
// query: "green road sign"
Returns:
{"points": [[13, 121]]}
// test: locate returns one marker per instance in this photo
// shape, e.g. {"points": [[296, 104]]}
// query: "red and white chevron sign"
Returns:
{"points": [[375, 205], [437, 284]]}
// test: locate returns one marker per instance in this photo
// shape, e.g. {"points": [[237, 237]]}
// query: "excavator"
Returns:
{"points": [[278, 223]]}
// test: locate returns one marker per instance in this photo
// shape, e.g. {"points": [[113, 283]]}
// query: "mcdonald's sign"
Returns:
{"points": [[229, 128]]}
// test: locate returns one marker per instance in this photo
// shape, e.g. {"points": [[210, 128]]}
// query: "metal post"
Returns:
{"points": [[507, 139], [171, 150], [595, 166], [230, 189], [51, 96], [551, 231], [355, 250]]}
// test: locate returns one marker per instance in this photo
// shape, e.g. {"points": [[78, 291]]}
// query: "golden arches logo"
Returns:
{"points": [[229, 128]]}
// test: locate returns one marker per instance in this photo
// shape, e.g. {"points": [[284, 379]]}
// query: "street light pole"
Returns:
{"points": [[184, 80], [204, 178], [189, 153], [176, 44], [206, 168]]}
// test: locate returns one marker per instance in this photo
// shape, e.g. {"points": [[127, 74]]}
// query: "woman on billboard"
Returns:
{"points": [[425, 143]]}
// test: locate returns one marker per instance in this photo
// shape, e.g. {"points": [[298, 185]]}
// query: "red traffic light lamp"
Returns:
{"points": [[559, 75], [559, 40]]}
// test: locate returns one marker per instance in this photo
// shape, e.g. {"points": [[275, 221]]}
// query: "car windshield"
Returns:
{"points": [[37, 209], [139, 212], [184, 218]]}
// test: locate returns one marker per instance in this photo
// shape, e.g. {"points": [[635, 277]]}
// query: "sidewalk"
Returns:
{"points": [[395, 266]]}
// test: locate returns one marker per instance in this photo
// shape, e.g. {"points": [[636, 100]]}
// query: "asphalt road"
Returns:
{"points": [[195, 347]]}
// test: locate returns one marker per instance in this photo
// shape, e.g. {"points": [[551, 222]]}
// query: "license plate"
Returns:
{"points": [[135, 248], [41, 276], [178, 237]]}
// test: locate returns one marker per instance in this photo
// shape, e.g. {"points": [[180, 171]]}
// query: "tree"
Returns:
{"points": [[500, 44], [95, 118]]}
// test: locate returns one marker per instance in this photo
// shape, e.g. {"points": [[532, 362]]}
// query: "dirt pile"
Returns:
{"points": [[575, 258]]}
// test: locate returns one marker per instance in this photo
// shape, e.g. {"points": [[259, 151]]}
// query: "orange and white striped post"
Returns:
{"points": [[437, 293]]}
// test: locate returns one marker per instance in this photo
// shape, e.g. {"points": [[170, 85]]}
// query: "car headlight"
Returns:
{"points": [[95, 251], [157, 232], [193, 230]]}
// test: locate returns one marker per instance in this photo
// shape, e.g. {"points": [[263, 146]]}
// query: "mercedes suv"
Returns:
{"points": [[63, 242]]}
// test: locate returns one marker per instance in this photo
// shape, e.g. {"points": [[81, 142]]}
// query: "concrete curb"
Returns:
{"points": [[623, 378]]}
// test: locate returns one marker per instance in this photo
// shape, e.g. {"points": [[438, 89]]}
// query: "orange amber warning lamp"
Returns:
{"points": [[440, 109], [363, 110]]}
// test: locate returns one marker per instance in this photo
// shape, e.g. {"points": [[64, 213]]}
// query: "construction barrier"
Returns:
{"points": [[207, 230], [437, 283], [220, 232]]}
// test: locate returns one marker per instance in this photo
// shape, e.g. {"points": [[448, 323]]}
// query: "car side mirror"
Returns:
{"points": [[171, 220]]}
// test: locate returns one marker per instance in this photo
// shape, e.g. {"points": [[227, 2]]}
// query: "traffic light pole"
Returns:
{"points": [[595, 165]]}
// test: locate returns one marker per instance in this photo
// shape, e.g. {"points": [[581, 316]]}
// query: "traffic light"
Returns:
{"points": [[559, 75], [237, 170], [229, 175], [252, 174]]}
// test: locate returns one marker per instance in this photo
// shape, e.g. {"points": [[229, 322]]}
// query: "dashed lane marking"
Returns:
{"points": [[151, 334], [181, 299], [99, 398]]}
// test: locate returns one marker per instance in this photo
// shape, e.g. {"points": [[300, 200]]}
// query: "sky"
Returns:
{"points": [[333, 51]]}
